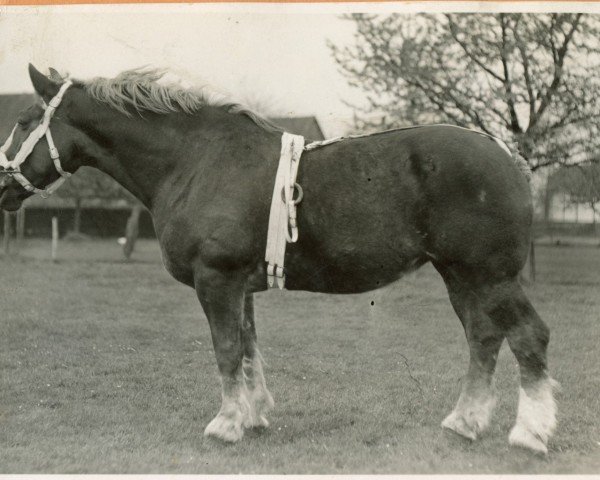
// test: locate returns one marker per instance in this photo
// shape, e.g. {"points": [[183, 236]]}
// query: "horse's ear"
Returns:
{"points": [[44, 86], [54, 75]]}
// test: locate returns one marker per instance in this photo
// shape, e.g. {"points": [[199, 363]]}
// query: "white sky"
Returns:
{"points": [[271, 55], [277, 61]]}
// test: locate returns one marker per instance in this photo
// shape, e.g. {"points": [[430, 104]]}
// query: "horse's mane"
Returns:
{"points": [[140, 89]]}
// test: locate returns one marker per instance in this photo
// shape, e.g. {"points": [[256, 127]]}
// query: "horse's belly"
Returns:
{"points": [[351, 274]]}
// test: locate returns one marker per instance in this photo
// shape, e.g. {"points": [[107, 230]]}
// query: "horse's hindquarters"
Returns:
{"points": [[479, 210]]}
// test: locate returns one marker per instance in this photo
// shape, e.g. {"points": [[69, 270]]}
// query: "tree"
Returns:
{"points": [[531, 79]]}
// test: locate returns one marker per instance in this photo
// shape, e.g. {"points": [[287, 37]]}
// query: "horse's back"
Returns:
{"points": [[378, 206]]}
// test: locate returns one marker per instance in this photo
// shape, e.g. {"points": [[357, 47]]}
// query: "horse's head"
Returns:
{"points": [[27, 165]]}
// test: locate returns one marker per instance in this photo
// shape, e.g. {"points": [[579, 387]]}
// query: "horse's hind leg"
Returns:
{"points": [[528, 338], [490, 312], [260, 398], [222, 298], [472, 413]]}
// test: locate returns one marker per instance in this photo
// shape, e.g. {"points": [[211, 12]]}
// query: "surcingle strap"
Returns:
{"points": [[282, 219]]}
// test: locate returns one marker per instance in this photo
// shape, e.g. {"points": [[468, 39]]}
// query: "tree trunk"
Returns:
{"points": [[548, 194], [77, 217], [132, 230]]}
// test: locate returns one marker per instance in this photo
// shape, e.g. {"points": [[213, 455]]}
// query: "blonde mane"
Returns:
{"points": [[140, 89]]}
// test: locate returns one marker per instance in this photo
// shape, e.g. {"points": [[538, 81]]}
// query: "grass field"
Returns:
{"points": [[107, 367]]}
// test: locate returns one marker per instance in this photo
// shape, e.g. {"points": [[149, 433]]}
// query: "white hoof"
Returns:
{"points": [[458, 424], [536, 417], [260, 422], [226, 427], [520, 437], [261, 403], [471, 416]]}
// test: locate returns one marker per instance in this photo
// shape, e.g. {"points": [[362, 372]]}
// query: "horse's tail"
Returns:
{"points": [[521, 163], [519, 160]]}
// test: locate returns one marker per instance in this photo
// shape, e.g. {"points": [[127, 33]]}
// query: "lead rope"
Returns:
{"points": [[283, 227], [12, 167]]}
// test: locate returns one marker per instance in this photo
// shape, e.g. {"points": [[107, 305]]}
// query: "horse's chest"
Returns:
{"points": [[180, 271], [177, 257]]}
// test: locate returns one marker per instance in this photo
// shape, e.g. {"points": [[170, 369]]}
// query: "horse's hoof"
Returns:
{"points": [[521, 437], [225, 428], [260, 422], [458, 424], [262, 401], [536, 418]]}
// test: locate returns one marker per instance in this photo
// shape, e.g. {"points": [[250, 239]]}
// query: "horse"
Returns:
{"points": [[374, 208]]}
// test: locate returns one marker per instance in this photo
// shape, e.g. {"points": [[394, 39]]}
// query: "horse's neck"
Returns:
{"points": [[143, 151]]}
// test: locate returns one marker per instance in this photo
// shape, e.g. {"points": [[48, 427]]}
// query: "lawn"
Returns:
{"points": [[107, 367]]}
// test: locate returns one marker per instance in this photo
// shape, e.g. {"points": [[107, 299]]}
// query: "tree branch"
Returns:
{"points": [[514, 119], [558, 71], [526, 73], [471, 56]]}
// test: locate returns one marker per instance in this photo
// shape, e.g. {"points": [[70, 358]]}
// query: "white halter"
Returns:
{"points": [[11, 167]]}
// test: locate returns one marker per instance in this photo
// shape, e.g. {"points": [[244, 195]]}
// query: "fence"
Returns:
{"points": [[550, 229], [111, 223], [96, 222]]}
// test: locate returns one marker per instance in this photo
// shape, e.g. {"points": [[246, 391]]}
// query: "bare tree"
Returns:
{"points": [[530, 79]]}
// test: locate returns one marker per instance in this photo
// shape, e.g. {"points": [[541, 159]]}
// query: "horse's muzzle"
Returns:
{"points": [[12, 194]]}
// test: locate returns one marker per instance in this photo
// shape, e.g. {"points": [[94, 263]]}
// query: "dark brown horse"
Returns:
{"points": [[374, 208]]}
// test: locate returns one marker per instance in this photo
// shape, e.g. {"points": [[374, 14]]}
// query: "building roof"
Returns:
{"points": [[308, 127], [10, 107]]}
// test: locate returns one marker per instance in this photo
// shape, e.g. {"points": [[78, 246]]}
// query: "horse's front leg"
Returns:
{"points": [[261, 400], [222, 298]]}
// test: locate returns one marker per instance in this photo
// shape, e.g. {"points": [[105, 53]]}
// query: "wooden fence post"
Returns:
{"points": [[7, 232], [132, 230], [54, 238], [20, 228], [532, 261]]}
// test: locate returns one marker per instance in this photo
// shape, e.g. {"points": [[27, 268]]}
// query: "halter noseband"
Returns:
{"points": [[11, 167]]}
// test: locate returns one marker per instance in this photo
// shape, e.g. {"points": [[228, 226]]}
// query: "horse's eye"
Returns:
{"points": [[22, 122]]}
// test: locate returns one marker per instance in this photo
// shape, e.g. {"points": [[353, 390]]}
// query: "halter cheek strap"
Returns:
{"points": [[12, 167]]}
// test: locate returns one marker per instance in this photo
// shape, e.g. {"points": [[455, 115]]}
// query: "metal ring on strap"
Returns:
{"points": [[293, 200]]}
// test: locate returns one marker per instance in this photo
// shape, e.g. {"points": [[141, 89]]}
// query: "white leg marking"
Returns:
{"points": [[536, 417], [233, 416], [472, 415], [261, 401]]}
